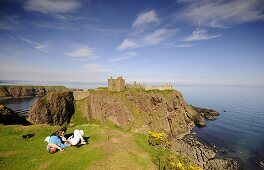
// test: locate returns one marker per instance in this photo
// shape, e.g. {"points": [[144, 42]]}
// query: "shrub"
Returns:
{"points": [[164, 156]]}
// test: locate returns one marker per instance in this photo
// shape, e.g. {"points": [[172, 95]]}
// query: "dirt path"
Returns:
{"points": [[121, 152]]}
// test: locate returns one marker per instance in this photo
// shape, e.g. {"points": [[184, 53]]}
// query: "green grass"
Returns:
{"points": [[102, 88], [78, 116], [18, 153], [109, 146]]}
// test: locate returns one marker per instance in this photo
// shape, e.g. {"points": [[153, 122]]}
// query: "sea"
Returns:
{"points": [[239, 130]]}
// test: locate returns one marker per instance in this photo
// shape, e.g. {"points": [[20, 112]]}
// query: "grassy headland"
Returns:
{"points": [[56, 88]]}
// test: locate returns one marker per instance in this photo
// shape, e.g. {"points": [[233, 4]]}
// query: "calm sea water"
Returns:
{"points": [[238, 130], [19, 104]]}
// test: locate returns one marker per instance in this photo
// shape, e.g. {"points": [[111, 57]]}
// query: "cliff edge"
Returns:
{"points": [[140, 110]]}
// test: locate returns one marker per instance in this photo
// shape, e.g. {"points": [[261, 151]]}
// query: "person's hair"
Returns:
{"points": [[52, 150], [58, 133]]}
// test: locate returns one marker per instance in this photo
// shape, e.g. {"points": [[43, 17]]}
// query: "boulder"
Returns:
{"points": [[56, 108]]}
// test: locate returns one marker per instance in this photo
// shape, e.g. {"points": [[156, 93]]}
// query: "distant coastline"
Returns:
{"points": [[89, 85]]}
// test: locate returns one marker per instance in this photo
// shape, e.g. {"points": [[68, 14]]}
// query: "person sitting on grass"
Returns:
{"points": [[62, 133], [55, 143], [77, 138]]}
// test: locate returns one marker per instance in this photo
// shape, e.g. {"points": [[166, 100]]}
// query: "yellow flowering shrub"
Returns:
{"points": [[156, 138], [165, 157]]}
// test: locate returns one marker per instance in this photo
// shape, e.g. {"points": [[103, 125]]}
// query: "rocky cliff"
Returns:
{"points": [[27, 91], [140, 111], [55, 108], [9, 117]]}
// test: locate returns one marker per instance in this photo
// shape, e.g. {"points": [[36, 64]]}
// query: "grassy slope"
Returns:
{"points": [[109, 148]]}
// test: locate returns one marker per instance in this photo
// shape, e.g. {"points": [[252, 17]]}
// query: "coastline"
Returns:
{"points": [[224, 130], [201, 152]]}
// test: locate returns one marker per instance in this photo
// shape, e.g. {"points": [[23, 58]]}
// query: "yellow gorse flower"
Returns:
{"points": [[195, 168], [180, 166], [160, 136]]}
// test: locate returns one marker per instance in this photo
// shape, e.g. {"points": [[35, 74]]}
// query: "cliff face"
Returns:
{"points": [[9, 117], [55, 108], [27, 91], [140, 111]]}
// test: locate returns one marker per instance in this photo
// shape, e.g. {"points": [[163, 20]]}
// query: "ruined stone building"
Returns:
{"points": [[116, 84], [136, 85], [167, 86]]}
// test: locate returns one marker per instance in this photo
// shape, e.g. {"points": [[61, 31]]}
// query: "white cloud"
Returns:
{"points": [[52, 6], [142, 37], [126, 56], [219, 13], [154, 38], [179, 45], [200, 34], [83, 52], [128, 44], [158, 36], [145, 19], [95, 68], [39, 46]]}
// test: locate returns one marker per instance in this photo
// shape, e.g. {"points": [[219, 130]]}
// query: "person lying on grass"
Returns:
{"points": [[55, 143], [77, 138]]}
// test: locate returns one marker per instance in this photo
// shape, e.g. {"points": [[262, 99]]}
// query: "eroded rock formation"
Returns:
{"points": [[55, 108]]}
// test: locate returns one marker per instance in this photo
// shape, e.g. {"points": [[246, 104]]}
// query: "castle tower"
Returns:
{"points": [[116, 84]]}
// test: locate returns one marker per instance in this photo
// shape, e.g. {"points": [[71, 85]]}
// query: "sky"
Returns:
{"points": [[194, 42]]}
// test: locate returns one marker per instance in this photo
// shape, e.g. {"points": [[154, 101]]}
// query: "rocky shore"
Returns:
{"points": [[208, 114], [202, 154]]}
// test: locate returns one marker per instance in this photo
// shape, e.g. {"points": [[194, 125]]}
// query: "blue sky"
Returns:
{"points": [[216, 42]]}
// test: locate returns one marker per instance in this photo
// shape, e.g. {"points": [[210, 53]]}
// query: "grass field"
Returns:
{"points": [[109, 148]]}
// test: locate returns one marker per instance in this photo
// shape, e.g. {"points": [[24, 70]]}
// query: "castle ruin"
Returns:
{"points": [[119, 85], [167, 86], [136, 85], [116, 84]]}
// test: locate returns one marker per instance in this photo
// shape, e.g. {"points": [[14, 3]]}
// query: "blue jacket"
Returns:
{"points": [[56, 140]]}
